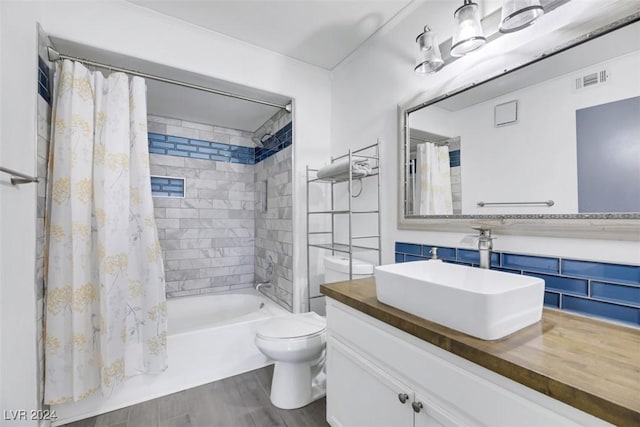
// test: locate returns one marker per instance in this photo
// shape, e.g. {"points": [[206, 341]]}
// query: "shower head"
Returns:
{"points": [[260, 140], [266, 133]]}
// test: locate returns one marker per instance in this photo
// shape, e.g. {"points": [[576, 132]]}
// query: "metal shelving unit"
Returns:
{"points": [[371, 152]]}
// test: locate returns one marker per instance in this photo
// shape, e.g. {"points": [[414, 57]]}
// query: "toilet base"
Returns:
{"points": [[291, 387]]}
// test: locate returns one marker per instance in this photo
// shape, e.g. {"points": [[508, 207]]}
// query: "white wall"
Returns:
{"points": [[2, 391], [18, 359], [121, 27], [369, 85]]}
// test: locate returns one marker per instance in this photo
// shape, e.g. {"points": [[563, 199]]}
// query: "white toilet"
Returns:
{"points": [[297, 342], [336, 269]]}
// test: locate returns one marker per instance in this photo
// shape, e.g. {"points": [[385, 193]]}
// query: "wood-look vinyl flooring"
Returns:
{"points": [[240, 401]]}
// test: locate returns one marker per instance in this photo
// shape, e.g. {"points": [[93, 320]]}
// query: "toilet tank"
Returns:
{"points": [[336, 268]]}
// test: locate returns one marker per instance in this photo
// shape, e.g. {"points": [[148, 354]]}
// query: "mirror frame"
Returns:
{"points": [[615, 226]]}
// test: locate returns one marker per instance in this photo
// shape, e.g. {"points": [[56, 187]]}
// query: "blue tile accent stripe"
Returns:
{"points": [[281, 140], [44, 84], [607, 290], [217, 151], [165, 186], [454, 158], [198, 149]]}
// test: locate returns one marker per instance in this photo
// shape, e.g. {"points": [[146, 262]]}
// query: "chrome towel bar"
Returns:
{"points": [[19, 178], [546, 202]]}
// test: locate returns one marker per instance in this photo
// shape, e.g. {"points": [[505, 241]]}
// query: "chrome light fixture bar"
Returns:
{"points": [[514, 15]]}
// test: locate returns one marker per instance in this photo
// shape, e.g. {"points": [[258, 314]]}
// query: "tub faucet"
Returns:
{"points": [[266, 284], [485, 245]]}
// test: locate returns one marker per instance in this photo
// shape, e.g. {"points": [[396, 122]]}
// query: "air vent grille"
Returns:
{"points": [[592, 79]]}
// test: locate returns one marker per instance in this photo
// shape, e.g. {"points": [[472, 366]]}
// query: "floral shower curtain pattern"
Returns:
{"points": [[105, 296], [433, 187]]}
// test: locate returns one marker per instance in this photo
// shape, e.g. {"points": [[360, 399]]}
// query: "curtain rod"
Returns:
{"points": [[54, 56]]}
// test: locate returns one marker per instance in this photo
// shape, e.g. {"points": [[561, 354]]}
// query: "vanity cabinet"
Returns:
{"points": [[363, 394], [378, 375]]}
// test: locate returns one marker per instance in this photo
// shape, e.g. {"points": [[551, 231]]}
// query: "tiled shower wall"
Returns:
{"points": [[208, 236], [274, 238]]}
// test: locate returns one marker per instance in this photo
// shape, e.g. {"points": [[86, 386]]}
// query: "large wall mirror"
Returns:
{"points": [[552, 147]]}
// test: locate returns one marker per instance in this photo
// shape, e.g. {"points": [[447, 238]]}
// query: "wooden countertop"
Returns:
{"points": [[589, 364]]}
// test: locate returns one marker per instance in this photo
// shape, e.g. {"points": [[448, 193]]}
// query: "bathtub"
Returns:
{"points": [[210, 337]]}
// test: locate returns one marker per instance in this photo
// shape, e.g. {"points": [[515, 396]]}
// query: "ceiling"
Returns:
{"points": [[318, 32]]}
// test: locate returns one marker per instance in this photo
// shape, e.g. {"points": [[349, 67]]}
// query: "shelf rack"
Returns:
{"points": [[371, 152]]}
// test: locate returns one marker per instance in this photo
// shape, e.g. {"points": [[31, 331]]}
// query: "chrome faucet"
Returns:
{"points": [[269, 271], [485, 245], [266, 284]]}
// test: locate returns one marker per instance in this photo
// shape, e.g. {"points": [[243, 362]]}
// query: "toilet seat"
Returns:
{"points": [[303, 325]]}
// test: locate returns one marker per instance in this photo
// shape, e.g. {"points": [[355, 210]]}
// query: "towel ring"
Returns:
{"points": [[359, 192]]}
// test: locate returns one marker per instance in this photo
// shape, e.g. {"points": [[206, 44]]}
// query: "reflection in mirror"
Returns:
{"points": [[560, 136], [434, 174]]}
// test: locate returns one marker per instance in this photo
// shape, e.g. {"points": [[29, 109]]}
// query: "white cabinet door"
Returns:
{"points": [[430, 414], [359, 394]]}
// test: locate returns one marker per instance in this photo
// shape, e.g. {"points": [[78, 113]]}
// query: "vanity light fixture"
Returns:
{"points": [[519, 14], [429, 59], [469, 35]]}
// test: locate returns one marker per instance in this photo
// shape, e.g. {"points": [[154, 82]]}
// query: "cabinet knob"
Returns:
{"points": [[417, 406], [403, 397]]}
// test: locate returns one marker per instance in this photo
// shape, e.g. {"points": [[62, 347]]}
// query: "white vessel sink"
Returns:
{"points": [[486, 304]]}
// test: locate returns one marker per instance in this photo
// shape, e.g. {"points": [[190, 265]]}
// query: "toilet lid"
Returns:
{"points": [[293, 326]]}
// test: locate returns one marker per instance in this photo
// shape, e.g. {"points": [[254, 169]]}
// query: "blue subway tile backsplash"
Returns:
{"points": [[605, 290], [473, 257], [409, 258], [601, 309], [531, 263], [628, 274], [217, 151], [563, 284], [618, 293], [443, 253], [552, 299], [408, 248]]}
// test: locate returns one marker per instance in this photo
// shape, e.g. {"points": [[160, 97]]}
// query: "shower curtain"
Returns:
{"points": [[105, 289], [433, 184]]}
